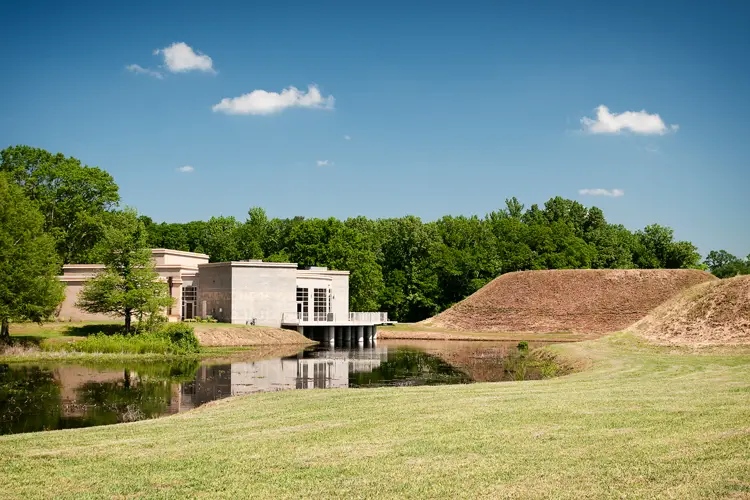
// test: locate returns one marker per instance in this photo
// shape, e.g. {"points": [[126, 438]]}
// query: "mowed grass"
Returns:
{"points": [[638, 422]]}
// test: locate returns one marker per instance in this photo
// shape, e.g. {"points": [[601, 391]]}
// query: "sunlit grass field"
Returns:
{"points": [[637, 421]]}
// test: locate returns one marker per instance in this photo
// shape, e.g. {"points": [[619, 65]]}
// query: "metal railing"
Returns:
{"points": [[314, 317], [368, 317], [293, 318]]}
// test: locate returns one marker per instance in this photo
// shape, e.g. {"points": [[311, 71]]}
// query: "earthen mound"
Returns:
{"points": [[584, 301], [711, 313]]}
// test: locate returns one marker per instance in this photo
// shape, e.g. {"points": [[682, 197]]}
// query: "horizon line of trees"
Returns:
{"points": [[410, 268], [414, 269]]}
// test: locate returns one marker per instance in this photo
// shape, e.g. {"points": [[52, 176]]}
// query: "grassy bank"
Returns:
{"points": [[640, 421], [49, 342]]}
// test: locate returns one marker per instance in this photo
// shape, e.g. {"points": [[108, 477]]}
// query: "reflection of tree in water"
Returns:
{"points": [[124, 401], [29, 399], [145, 395], [410, 367]]}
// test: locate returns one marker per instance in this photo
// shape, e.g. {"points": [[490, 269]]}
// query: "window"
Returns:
{"points": [[302, 304], [189, 301], [320, 304]]}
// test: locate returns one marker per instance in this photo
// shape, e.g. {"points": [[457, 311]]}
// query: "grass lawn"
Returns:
{"points": [[638, 422]]}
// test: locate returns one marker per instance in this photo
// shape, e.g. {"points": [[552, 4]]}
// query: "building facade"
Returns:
{"points": [[250, 292]]}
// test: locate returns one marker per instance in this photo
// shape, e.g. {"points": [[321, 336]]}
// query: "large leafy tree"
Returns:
{"points": [[725, 265], [73, 198], [129, 285], [29, 288], [253, 234], [655, 248]]}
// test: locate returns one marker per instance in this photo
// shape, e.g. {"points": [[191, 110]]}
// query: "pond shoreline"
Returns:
{"points": [[418, 332], [216, 339], [81, 392]]}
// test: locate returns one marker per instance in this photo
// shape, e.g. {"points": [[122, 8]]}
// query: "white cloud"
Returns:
{"points": [[614, 193], [324, 163], [649, 149], [347, 138], [186, 169], [136, 68], [261, 102], [180, 57], [638, 122]]}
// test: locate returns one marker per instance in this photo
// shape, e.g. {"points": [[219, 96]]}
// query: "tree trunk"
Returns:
{"points": [[5, 331], [128, 314]]}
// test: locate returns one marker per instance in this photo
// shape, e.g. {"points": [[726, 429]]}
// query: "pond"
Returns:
{"points": [[36, 397]]}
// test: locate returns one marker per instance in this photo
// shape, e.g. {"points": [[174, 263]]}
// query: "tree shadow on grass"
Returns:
{"points": [[86, 330]]}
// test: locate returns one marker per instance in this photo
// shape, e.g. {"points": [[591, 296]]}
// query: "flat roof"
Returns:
{"points": [[251, 263], [328, 272], [178, 252]]}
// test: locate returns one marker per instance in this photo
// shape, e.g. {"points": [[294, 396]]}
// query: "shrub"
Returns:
{"points": [[198, 319], [171, 338], [523, 346], [182, 336]]}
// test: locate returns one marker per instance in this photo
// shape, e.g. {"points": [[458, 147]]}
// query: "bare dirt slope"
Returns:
{"points": [[712, 313], [230, 335], [584, 301]]}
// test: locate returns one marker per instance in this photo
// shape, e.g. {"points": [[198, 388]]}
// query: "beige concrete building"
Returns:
{"points": [[249, 292], [179, 269]]}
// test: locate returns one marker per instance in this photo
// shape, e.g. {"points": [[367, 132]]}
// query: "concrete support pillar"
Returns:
{"points": [[339, 335], [373, 332], [346, 336], [361, 334], [331, 334], [301, 330], [176, 308]]}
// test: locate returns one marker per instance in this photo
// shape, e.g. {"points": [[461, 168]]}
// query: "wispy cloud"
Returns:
{"points": [[324, 163], [649, 149], [186, 169], [136, 68], [638, 122], [262, 102], [347, 138], [614, 193], [180, 57]]}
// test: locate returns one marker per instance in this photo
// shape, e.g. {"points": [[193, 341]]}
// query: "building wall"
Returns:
{"points": [[180, 267], [69, 312], [340, 296], [262, 292], [215, 291]]}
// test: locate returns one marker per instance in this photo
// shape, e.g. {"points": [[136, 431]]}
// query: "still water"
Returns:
{"points": [[64, 395]]}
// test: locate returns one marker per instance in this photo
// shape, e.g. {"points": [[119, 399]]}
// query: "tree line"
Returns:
{"points": [[408, 267], [414, 269]]}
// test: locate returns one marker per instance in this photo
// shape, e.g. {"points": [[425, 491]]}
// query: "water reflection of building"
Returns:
{"points": [[308, 370]]}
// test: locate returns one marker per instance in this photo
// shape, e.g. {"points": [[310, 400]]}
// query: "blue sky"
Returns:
{"points": [[423, 108]]}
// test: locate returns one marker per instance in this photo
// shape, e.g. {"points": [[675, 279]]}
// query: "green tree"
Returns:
{"points": [[220, 239], [29, 288], [73, 198], [128, 285], [253, 234], [656, 249], [723, 264]]}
